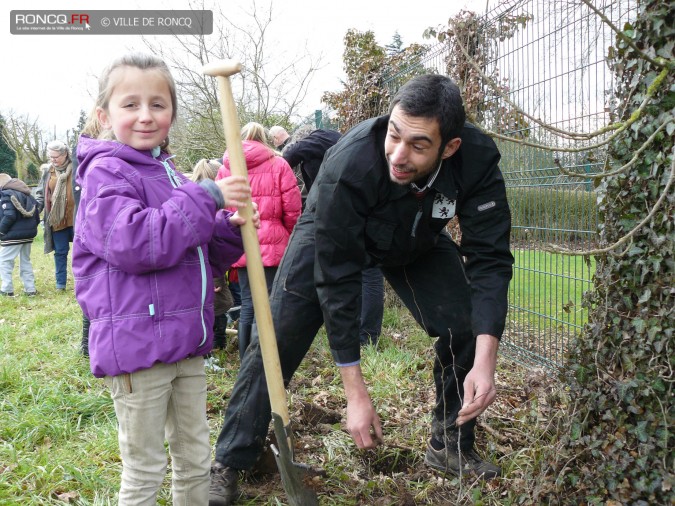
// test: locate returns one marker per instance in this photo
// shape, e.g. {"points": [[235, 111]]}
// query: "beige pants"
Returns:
{"points": [[165, 401], [7, 256]]}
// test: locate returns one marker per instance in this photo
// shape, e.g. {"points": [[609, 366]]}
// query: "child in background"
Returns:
{"points": [[222, 302], [19, 218], [144, 234], [235, 290]]}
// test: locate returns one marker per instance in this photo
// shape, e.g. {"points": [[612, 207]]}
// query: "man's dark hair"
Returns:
{"points": [[436, 97]]}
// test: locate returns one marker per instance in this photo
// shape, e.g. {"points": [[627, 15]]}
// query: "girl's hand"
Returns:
{"points": [[256, 215], [235, 189], [237, 219]]}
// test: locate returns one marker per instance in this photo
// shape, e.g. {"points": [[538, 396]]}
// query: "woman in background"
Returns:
{"points": [[57, 195]]}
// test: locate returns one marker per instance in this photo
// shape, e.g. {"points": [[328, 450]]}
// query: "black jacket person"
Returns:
{"points": [[382, 198], [308, 152]]}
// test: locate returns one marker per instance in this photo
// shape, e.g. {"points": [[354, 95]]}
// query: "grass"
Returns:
{"points": [[546, 298], [550, 284], [58, 438]]}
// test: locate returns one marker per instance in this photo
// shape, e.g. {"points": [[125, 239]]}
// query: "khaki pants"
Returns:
{"points": [[165, 401]]}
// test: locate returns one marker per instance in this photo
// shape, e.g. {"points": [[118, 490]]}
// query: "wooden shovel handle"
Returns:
{"points": [[254, 265]]}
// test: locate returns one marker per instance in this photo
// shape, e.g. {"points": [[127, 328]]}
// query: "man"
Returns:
{"points": [[279, 136], [382, 198]]}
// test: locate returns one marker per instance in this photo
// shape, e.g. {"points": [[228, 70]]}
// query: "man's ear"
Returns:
{"points": [[103, 119], [451, 147]]}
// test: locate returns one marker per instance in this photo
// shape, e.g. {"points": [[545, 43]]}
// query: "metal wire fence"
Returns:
{"points": [[552, 67]]}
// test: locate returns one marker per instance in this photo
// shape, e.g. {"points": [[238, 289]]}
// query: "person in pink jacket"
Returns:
{"points": [[275, 189]]}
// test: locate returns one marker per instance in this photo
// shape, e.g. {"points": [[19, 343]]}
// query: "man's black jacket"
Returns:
{"points": [[361, 218]]}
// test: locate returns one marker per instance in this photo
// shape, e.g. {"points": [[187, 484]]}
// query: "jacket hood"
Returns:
{"points": [[256, 153], [89, 149], [17, 185]]}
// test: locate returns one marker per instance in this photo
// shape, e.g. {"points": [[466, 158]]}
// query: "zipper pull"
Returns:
{"points": [[175, 182]]}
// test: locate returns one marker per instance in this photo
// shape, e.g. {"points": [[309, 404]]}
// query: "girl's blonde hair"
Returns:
{"points": [[205, 169], [105, 88], [253, 131]]}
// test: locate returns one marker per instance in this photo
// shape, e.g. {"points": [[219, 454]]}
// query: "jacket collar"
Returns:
{"points": [[445, 181]]}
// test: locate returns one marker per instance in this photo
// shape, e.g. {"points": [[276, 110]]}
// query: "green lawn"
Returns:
{"points": [[551, 286]]}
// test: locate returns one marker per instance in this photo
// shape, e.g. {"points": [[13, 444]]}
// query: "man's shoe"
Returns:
{"points": [[223, 490], [30, 294], [6, 294], [448, 460]]}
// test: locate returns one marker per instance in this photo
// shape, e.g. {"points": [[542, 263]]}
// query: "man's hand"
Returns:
{"points": [[479, 384], [361, 415]]}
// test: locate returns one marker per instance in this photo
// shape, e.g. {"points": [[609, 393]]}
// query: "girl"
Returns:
{"points": [[275, 190], [144, 235]]}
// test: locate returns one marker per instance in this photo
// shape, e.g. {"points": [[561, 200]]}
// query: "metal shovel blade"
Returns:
{"points": [[298, 493]]}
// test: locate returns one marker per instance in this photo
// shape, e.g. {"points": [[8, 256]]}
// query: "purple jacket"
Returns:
{"points": [[148, 243]]}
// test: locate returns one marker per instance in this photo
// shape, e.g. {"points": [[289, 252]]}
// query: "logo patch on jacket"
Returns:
{"points": [[443, 207], [487, 205]]}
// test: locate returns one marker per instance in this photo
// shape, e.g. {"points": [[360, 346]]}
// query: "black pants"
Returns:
{"points": [[247, 314], [435, 290]]}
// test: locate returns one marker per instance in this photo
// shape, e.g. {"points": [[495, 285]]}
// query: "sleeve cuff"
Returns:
{"points": [[349, 364], [347, 357], [493, 330], [214, 191]]}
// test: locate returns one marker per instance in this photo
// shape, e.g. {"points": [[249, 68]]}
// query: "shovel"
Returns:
{"points": [[298, 494]]}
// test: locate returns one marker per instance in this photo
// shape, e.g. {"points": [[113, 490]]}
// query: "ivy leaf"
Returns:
{"points": [[659, 386], [635, 250], [641, 431], [575, 431], [639, 325], [646, 295]]}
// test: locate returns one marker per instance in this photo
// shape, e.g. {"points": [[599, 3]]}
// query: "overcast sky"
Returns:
{"points": [[53, 77]]}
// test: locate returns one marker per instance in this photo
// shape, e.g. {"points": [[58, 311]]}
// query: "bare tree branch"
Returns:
{"points": [[25, 137], [270, 88], [616, 127]]}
